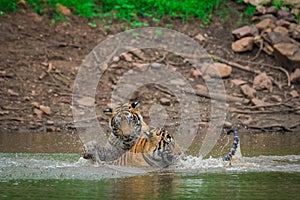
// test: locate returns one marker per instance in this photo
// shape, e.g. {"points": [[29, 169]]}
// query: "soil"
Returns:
{"points": [[40, 61]]}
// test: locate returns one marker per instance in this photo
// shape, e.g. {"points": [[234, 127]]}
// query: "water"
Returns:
{"points": [[270, 169], [67, 176]]}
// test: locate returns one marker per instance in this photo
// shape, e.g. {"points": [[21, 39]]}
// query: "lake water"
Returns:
{"points": [[34, 175]]}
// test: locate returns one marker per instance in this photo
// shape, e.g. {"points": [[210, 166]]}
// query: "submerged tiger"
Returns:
{"points": [[156, 148], [131, 143], [126, 125]]}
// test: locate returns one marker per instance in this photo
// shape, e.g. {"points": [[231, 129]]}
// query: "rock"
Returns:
{"points": [[261, 10], [258, 2], [49, 122], [227, 124], [262, 81], [264, 24], [248, 91], [271, 10], [268, 49], [63, 9], [45, 109], [295, 76], [238, 81], [283, 23], [294, 93], [38, 113], [263, 17], [275, 38], [287, 55], [294, 3], [223, 69], [242, 45], [295, 31], [200, 37], [281, 30], [116, 59], [12, 93], [201, 89], [35, 104], [295, 11], [258, 102], [276, 98], [22, 3], [283, 14], [86, 101], [127, 57], [178, 81], [196, 73], [165, 101], [245, 31]]}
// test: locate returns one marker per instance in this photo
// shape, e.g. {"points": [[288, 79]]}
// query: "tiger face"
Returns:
{"points": [[156, 148], [124, 120], [126, 124]]}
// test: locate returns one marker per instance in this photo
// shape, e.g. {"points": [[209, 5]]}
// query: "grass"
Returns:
{"points": [[129, 10], [132, 10]]}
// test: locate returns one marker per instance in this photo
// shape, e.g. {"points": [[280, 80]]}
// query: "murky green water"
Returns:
{"points": [[67, 176], [41, 172], [262, 185]]}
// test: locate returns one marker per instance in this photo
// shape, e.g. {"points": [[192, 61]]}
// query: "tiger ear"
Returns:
{"points": [[135, 104], [148, 134], [108, 111]]}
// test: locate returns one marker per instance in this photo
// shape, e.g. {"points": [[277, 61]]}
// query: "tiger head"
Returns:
{"points": [[125, 120]]}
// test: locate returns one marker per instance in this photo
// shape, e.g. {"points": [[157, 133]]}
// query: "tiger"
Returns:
{"points": [[156, 148], [234, 146], [126, 125]]}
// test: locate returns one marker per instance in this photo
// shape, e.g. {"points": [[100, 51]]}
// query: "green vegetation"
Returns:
{"points": [[129, 10], [133, 11]]}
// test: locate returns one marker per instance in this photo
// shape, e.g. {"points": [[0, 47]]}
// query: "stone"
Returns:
{"points": [[127, 57], [245, 31], [12, 93], [238, 81], [294, 93], [196, 73], [242, 45], [264, 24], [294, 3], [283, 23], [262, 81], [45, 109], [275, 38], [295, 31], [281, 30], [287, 55], [271, 10], [223, 69], [258, 2], [258, 102], [38, 113], [276, 98], [63, 9], [261, 10], [165, 101], [295, 76], [248, 91], [86, 101], [283, 14], [200, 37]]}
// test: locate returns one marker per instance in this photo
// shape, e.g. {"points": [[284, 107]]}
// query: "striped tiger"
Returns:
{"points": [[126, 124], [156, 148]]}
